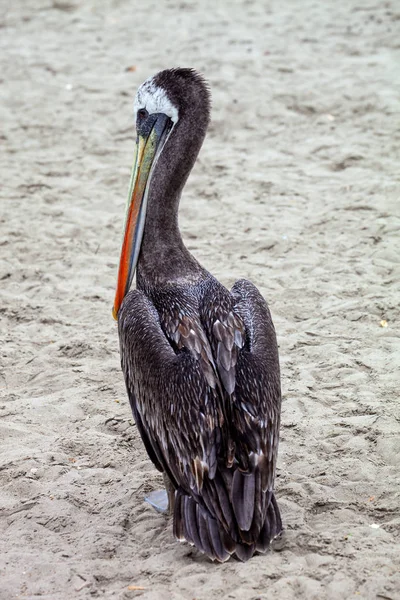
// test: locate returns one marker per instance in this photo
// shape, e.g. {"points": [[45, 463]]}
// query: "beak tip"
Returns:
{"points": [[114, 313]]}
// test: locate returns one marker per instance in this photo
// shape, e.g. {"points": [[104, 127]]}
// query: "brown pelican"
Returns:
{"points": [[200, 363]]}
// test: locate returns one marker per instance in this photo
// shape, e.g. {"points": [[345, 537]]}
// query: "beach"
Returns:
{"points": [[296, 189]]}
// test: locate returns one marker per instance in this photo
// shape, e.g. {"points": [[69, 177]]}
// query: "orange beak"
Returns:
{"points": [[150, 141]]}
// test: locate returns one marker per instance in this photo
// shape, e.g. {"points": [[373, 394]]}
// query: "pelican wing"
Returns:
{"points": [[205, 393], [243, 340], [256, 406], [173, 394], [256, 402]]}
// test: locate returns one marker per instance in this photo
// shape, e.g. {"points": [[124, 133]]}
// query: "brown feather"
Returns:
{"points": [[214, 430], [243, 487]]}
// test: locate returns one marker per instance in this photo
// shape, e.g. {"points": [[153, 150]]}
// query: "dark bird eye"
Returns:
{"points": [[142, 114]]}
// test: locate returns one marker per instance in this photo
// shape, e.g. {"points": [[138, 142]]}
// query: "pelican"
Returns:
{"points": [[200, 362]]}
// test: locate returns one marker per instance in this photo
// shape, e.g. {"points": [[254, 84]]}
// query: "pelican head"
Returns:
{"points": [[172, 114]]}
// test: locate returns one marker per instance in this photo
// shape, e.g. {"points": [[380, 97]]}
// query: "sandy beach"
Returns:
{"points": [[297, 189]]}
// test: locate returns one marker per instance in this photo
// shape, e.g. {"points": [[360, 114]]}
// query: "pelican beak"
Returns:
{"points": [[152, 135]]}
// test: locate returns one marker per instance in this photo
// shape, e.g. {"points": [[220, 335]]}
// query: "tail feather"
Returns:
{"points": [[272, 526], [243, 488], [190, 516], [223, 499], [244, 551], [221, 553], [265, 537], [260, 508], [203, 534], [228, 543], [209, 533], [217, 500]]}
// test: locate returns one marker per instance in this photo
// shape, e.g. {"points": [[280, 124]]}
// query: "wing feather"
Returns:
{"points": [[171, 390]]}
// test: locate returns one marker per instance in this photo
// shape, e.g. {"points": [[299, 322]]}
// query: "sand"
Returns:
{"points": [[296, 188]]}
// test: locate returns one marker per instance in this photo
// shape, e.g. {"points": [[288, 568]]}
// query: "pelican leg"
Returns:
{"points": [[171, 494], [163, 501]]}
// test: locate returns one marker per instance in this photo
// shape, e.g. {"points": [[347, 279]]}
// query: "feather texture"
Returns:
{"points": [[202, 376]]}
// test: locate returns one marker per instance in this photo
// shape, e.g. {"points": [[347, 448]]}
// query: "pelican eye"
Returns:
{"points": [[142, 114]]}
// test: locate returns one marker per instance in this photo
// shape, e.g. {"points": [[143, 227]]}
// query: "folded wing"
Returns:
{"points": [[205, 394]]}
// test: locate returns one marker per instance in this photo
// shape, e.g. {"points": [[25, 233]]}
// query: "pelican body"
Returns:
{"points": [[200, 362]]}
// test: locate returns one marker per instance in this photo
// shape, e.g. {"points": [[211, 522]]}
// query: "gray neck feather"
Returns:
{"points": [[163, 256]]}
